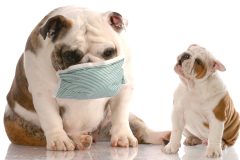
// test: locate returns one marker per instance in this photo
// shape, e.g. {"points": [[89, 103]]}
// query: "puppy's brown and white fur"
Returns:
{"points": [[203, 110], [65, 37]]}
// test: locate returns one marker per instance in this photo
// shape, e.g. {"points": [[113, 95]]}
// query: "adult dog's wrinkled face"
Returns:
{"points": [[83, 37], [196, 64]]}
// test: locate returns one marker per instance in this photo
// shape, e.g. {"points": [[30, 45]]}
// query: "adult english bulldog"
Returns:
{"points": [[203, 109], [34, 116]]}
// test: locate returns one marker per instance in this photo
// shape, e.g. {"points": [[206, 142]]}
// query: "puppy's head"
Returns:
{"points": [[81, 36], [196, 64]]}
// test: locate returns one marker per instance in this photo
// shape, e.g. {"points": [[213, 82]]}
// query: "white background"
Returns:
{"points": [[157, 32]]}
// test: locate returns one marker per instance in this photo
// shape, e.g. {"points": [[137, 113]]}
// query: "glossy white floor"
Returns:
{"points": [[103, 151]]}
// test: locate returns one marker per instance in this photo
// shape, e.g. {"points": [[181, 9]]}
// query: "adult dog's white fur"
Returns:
{"points": [[202, 105], [43, 82], [79, 36]]}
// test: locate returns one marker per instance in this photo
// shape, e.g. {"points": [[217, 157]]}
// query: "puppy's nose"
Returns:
{"points": [[184, 57]]}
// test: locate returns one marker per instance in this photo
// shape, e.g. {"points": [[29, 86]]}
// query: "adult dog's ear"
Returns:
{"points": [[117, 22], [55, 27]]}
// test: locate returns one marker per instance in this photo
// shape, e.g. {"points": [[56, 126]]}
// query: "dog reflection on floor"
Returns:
{"points": [[16, 152], [102, 150]]}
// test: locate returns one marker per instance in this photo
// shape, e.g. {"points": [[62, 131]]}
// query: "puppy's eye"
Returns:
{"points": [[109, 53], [198, 61], [71, 57]]}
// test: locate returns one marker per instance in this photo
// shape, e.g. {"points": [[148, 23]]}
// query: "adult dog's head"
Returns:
{"points": [[196, 64], [76, 35]]}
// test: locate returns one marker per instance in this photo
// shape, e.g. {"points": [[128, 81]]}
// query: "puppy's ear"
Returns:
{"points": [[116, 20], [193, 45], [55, 27], [217, 65]]}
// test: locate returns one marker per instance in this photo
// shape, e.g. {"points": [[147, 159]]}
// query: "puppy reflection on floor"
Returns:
{"points": [[102, 150], [198, 152]]}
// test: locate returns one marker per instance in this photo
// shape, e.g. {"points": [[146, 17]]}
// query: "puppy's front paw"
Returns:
{"points": [[59, 142], [214, 152], [123, 137], [171, 148]]}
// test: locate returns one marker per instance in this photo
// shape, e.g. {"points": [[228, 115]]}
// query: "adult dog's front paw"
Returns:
{"points": [[192, 141], [82, 141], [171, 148], [59, 142], [123, 137], [214, 152]]}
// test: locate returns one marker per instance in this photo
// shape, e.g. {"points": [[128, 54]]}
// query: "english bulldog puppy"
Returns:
{"points": [[34, 116], [203, 110]]}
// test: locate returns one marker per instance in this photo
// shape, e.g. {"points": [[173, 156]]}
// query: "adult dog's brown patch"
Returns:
{"points": [[19, 90], [33, 42], [22, 132], [226, 112], [56, 27], [137, 127]]}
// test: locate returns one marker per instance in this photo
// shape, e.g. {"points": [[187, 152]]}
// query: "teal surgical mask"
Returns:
{"points": [[91, 80]]}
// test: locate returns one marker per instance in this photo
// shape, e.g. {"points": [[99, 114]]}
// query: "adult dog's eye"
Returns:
{"points": [[71, 57], [109, 53], [198, 61]]}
